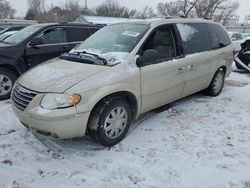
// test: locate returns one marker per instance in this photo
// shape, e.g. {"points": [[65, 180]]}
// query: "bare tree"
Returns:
{"points": [[219, 10], [6, 11], [226, 12], [147, 12], [113, 8], [36, 7], [71, 10], [177, 8], [172, 8]]}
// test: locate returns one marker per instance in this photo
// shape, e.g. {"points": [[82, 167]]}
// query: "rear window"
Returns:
{"points": [[76, 34], [195, 37], [219, 37]]}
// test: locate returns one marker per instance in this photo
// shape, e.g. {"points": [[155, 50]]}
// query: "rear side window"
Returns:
{"points": [[76, 34], [195, 37], [219, 37]]}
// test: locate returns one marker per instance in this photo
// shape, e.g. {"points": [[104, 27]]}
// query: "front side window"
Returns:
{"points": [[54, 36], [162, 40], [195, 37]]}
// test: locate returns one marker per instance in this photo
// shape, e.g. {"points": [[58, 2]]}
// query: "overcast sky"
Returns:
{"points": [[21, 5]]}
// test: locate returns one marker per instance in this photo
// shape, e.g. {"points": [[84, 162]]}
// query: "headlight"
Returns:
{"points": [[57, 101]]}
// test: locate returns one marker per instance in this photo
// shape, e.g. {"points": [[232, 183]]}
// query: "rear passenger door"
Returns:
{"points": [[76, 35], [198, 58], [53, 40]]}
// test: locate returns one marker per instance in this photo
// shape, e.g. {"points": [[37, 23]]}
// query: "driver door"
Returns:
{"points": [[162, 81], [52, 46]]}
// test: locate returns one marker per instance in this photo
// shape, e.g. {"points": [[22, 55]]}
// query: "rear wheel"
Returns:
{"points": [[113, 118], [217, 83], [7, 80]]}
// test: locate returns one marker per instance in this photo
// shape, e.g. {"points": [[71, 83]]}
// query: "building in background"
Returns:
{"points": [[16, 22], [234, 20], [247, 20]]}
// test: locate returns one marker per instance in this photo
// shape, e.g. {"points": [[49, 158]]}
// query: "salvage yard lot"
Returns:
{"points": [[196, 142]]}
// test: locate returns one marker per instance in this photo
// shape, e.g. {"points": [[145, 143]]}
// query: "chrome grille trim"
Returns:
{"points": [[21, 97]]}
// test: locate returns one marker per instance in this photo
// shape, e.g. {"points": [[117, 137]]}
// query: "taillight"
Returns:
{"points": [[235, 52]]}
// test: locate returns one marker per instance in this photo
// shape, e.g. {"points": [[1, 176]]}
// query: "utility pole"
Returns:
{"points": [[86, 5]]}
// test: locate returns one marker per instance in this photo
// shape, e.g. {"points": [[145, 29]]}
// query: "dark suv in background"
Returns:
{"points": [[34, 45]]}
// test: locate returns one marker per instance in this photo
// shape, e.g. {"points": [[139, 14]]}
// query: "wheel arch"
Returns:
{"points": [[11, 68], [224, 68], [126, 95]]}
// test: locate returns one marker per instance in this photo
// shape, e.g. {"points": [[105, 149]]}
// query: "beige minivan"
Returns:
{"points": [[120, 72]]}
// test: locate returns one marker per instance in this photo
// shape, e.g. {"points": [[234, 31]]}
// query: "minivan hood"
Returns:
{"points": [[58, 75]]}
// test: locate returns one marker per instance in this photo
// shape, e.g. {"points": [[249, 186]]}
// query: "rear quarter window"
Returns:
{"points": [[218, 35], [195, 37]]}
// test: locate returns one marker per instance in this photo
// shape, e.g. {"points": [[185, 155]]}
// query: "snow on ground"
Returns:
{"points": [[198, 142]]}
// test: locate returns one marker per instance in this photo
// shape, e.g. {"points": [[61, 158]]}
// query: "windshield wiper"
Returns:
{"points": [[105, 62]]}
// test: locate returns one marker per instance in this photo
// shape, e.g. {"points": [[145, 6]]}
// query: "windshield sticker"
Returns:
{"points": [[131, 33]]}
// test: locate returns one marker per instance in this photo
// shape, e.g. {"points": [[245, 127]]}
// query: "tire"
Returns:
{"points": [[7, 80], [110, 115], [216, 84]]}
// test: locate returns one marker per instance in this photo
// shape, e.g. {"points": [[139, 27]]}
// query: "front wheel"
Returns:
{"points": [[114, 119], [7, 80], [217, 83]]}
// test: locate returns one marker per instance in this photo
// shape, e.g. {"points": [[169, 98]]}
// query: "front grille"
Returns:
{"points": [[21, 97]]}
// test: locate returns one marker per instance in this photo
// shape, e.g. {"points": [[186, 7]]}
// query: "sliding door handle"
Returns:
{"points": [[191, 67], [180, 70]]}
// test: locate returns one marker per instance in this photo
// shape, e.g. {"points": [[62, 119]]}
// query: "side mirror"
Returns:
{"points": [[36, 41], [147, 57]]}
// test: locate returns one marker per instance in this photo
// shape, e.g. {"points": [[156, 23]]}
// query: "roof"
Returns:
{"points": [[101, 19], [151, 21], [159, 21], [173, 20]]}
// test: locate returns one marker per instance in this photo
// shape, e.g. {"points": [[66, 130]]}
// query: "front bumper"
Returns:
{"points": [[63, 123]]}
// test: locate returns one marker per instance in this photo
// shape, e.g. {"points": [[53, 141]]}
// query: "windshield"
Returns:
{"points": [[113, 42], [21, 35]]}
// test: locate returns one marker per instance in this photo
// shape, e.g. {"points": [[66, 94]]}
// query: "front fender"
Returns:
{"points": [[91, 98]]}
